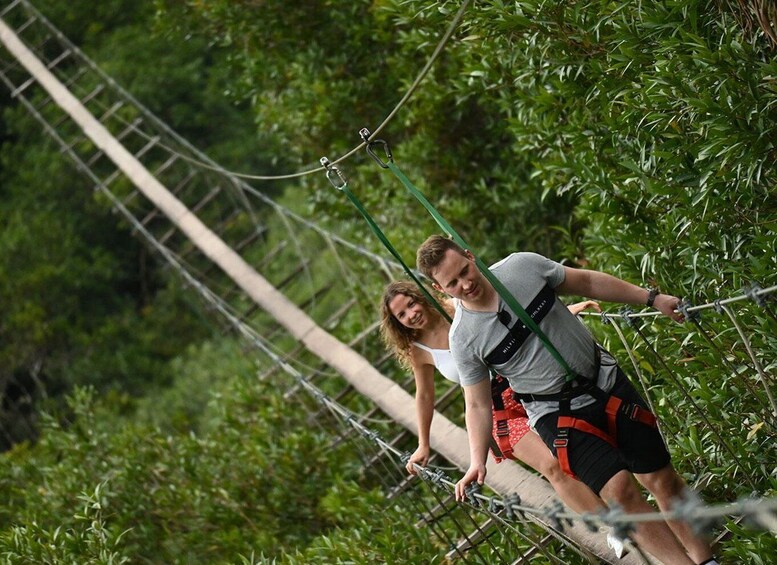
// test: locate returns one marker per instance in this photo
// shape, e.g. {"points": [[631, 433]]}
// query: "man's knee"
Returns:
{"points": [[622, 489], [664, 483]]}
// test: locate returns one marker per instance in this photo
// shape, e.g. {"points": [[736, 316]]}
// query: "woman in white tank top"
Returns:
{"points": [[417, 334]]}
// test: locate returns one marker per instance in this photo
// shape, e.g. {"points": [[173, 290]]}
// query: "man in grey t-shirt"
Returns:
{"points": [[485, 334]]}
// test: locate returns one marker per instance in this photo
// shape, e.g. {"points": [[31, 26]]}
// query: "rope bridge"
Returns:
{"points": [[199, 216]]}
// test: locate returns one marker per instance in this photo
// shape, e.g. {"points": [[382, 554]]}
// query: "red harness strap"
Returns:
{"points": [[613, 405], [639, 414], [502, 435], [611, 409]]}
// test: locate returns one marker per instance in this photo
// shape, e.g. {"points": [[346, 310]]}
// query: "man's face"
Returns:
{"points": [[458, 276]]}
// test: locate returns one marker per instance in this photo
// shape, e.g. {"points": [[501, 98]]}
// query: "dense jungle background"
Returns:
{"points": [[636, 138]]}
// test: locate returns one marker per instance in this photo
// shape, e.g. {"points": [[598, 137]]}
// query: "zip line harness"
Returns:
{"points": [[575, 385]]}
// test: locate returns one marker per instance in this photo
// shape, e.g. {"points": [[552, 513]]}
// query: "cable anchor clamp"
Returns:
{"points": [[753, 294], [365, 134], [511, 502], [472, 491], [683, 307], [628, 315]]}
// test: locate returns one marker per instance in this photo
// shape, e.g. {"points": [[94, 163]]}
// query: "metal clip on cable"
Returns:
{"points": [[552, 513], [621, 530], [438, 477], [334, 174], [687, 507], [626, 314], [752, 294], [590, 521], [472, 491], [684, 306], [364, 133], [612, 515], [511, 501]]}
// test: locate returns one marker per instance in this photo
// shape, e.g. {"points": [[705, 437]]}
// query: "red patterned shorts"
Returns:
{"points": [[510, 423]]}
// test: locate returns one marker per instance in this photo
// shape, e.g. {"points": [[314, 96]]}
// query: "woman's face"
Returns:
{"points": [[408, 311]]}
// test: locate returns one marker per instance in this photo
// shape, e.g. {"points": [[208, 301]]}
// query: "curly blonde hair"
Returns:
{"points": [[398, 337]]}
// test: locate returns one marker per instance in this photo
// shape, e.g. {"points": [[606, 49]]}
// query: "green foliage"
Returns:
{"points": [[389, 539], [232, 489], [655, 118], [636, 138], [82, 301], [88, 541]]}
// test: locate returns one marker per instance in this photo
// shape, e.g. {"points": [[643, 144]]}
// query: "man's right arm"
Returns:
{"points": [[476, 383], [479, 422], [603, 286]]}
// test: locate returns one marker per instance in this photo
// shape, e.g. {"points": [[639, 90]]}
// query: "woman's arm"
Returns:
{"points": [[424, 407]]}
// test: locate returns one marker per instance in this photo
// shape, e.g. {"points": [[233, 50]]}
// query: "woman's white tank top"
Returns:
{"points": [[443, 360]]}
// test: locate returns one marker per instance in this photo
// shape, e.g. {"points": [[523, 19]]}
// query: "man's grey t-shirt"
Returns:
{"points": [[478, 340]]}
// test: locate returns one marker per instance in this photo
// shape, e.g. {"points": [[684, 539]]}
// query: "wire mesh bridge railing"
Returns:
{"points": [[318, 270]]}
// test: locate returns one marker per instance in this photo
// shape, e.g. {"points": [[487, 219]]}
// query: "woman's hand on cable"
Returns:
{"points": [[474, 473], [578, 307], [419, 457]]}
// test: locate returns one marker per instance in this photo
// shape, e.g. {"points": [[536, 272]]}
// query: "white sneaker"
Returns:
{"points": [[616, 544]]}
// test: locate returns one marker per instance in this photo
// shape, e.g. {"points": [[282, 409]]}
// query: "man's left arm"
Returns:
{"points": [[602, 286]]}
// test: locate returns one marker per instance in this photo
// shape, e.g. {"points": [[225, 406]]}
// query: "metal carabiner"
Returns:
{"points": [[334, 174], [364, 133]]}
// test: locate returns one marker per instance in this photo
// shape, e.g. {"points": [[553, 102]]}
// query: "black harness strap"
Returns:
{"points": [[574, 388]]}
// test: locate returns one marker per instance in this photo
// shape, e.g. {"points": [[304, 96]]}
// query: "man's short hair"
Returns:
{"points": [[431, 253]]}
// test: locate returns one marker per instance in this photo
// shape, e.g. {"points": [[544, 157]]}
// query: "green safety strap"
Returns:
{"points": [[505, 294], [337, 179]]}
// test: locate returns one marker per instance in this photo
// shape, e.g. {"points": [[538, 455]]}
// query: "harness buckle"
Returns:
{"points": [[560, 442]]}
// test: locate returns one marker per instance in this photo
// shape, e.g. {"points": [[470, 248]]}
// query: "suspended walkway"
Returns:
{"points": [[285, 284]]}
